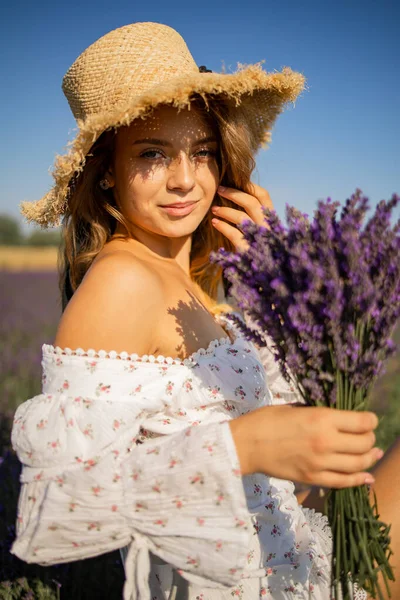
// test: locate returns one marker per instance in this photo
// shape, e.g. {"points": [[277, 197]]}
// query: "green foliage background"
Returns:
{"points": [[12, 235]]}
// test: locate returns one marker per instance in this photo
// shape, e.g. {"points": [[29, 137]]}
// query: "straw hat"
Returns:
{"points": [[132, 69]]}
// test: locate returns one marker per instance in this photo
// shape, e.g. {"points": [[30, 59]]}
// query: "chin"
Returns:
{"points": [[177, 232]]}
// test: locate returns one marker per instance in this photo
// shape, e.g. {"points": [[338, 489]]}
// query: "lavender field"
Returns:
{"points": [[30, 309], [29, 314]]}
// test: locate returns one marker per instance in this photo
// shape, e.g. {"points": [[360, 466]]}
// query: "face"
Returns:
{"points": [[177, 163]]}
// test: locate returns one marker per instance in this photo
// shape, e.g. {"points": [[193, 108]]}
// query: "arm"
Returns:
{"points": [[307, 495], [193, 514], [87, 507]]}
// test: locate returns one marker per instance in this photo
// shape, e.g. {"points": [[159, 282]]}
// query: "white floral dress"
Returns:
{"points": [[135, 453]]}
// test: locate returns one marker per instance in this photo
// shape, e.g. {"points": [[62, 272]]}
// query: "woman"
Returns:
{"points": [[184, 463]]}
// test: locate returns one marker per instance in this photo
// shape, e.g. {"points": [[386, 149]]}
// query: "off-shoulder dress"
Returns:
{"points": [[135, 453]]}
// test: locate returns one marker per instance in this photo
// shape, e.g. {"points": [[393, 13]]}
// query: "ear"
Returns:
{"points": [[109, 176]]}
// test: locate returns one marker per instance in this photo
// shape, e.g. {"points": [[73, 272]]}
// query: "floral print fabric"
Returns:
{"points": [[129, 452]]}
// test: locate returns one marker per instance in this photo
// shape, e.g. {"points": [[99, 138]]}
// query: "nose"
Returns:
{"points": [[181, 173]]}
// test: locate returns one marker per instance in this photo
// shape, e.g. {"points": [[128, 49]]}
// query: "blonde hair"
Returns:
{"points": [[92, 214]]}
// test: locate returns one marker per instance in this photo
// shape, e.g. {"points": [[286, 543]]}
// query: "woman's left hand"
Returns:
{"points": [[252, 204]]}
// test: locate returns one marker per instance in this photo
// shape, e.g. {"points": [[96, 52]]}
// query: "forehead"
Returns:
{"points": [[173, 123]]}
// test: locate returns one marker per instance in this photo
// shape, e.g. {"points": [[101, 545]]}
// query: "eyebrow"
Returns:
{"points": [[167, 144]]}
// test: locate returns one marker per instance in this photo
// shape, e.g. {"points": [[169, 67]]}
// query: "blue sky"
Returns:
{"points": [[342, 133]]}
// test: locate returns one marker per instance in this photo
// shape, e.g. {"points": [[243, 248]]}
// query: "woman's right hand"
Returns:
{"points": [[318, 446]]}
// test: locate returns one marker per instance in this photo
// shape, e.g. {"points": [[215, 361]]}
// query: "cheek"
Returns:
{"points": [[208, 174], [140, 193], [154, 176], [141, 183]]}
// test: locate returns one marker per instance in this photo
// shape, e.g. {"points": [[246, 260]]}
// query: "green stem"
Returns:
{"points": [[346, 391], [339, 397]]}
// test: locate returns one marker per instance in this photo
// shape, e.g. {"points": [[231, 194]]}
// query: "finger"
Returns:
{"points": [[331, 479], [351, 421], [262, 194], [230, 214], [351, 463], [232, 233], [357, 443], [250, 204], [244, 199]]}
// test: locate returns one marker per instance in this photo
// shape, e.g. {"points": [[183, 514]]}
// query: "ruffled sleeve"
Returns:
{"points": [[89, 487]]}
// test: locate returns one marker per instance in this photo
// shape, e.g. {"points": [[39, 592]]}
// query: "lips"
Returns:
{"points": [[180, 210], [179, 204]]}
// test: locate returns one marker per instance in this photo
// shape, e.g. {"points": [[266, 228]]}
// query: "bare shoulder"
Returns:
{"points": [[115, 307]]}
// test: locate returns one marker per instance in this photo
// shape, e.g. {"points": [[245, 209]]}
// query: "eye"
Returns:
{"points": [[209, 152], [147, 152]]}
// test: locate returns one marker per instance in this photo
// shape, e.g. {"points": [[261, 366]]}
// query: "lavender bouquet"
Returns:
{"points": [[327, 292]]}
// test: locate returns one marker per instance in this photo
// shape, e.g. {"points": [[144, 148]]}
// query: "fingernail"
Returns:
{"points": [[379, 453], [369, 479], [221, 188]]}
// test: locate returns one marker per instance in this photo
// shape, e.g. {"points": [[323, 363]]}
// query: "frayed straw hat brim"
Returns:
{"points": [[258, 95]]}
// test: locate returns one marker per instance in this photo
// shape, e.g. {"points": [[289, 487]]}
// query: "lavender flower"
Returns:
{"points": [[307, 285], [327, 292]]}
